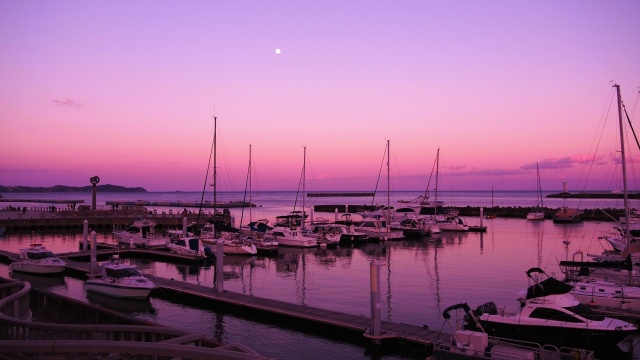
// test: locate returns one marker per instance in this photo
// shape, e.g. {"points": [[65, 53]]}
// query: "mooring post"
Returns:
{"points": [[93, 252], [219, 266], [336, 213], [481, 215], [184, 227], [346, 208], [85, 235], [375, 297]]}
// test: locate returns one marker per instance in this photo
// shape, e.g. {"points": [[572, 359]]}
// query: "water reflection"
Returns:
{"points": [[43, 282], [123, 305]]}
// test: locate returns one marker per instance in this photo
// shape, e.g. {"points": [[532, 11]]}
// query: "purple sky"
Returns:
{"points": [[126, 90]]}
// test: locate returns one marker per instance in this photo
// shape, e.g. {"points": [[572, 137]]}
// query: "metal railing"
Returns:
{"points": [[22, 338]]}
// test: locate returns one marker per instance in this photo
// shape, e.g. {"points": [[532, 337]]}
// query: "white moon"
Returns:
{"points": [[277, 51]]}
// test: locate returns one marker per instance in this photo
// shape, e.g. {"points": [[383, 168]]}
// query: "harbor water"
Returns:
{"points": [[420, 277]]}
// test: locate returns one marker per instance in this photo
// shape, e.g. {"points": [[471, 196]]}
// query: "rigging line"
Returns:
{"points": [[597, 145], [246, 185], [631, 163], [631, 125], [426, 191], [298, 192], [379, 174], [204, 187]]}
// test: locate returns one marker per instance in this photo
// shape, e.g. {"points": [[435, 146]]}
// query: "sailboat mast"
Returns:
{"points": [[304, 177], [435, 201], [250, 201], [627, 214], [388, 181], [215, 169]]}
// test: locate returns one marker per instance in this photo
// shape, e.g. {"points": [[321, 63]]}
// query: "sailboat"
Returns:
{"points": [[291, 235], [537, 212], [376, 226], [232, 244], [603, 293]]}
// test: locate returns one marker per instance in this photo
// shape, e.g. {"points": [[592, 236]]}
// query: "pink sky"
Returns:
{"points": [[126, 90]]}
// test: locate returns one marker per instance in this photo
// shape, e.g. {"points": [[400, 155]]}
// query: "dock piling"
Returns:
{"points": [[85, 234], [93, 252], [184, 227], [219, 275]]}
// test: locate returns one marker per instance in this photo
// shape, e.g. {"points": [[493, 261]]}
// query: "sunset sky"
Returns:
{"points": [[127, 90]]}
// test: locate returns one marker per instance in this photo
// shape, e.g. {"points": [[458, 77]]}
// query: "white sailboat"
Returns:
{"points": [[232, 243], [537, 212], [291, 235], [606, 294]]}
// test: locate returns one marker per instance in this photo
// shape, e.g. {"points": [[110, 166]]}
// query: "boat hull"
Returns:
{"points": [[563, 336], [119, 290], [42, 269]]}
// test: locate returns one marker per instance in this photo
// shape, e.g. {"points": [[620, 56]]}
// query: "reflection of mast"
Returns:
{"points": [[540, 237], [435, 269], [389, 285]]}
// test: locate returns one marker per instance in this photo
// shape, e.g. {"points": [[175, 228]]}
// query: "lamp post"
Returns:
{"points": [[94, 181]]}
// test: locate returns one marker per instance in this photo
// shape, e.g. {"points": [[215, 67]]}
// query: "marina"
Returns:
{"points": [[420, 277]]}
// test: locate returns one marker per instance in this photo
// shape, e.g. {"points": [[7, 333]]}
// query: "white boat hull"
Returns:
{"points": [[535, 216], [126, 289], [37, 268], [302, 243]]}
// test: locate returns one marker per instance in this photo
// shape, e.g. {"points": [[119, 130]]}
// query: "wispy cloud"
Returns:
{"points": [[68, 103]]}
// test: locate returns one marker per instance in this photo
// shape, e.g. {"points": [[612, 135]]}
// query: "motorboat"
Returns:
{"points": [[451, 223], [290, 236], [137, 234], [418, 226], [36, 259], [120, 279], [377, 229], [550, 314], [294, 218], [232, 244], [186, 246], [174, 234], [477, 344]]}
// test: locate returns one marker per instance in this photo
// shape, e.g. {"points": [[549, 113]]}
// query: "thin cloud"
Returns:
{"points": [[68, 103]]}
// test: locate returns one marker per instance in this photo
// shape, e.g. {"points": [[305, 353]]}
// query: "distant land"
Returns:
{"points": [[63, 188]]}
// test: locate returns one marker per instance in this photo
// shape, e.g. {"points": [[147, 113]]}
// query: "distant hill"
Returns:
{"points": [[63, 188]]}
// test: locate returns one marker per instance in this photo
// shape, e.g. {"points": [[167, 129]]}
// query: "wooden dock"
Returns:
{"points": [[298, 316]]}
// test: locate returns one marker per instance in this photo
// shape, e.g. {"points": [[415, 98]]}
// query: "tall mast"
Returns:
{"points": [[388, 182], [627, 214], [304, 175], [250, 210], [215, 169], [435, 201]]}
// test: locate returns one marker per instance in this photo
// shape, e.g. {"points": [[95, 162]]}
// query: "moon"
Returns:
{"points": [[278, 51]]}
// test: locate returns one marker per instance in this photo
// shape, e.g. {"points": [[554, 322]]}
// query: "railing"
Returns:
{"points": [[20, 337]]}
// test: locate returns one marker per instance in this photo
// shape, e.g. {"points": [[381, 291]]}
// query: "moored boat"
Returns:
{"points": [[119, 279], [137, 234], [36, 259], [550, 314]]}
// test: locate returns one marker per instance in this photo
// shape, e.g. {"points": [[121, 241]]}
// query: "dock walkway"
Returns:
{"points": [[282, 312]]}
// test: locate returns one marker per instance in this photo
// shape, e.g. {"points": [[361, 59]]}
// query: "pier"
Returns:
{"points": [[340, 194], [183, 204], [595, 195], [356, 328]]}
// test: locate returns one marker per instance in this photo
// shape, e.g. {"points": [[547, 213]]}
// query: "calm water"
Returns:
{"points": [[420, 277]]}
